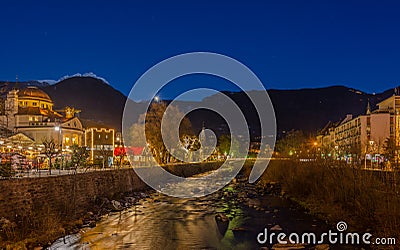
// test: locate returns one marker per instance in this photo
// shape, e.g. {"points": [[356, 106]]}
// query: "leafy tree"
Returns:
{"points": [[225, 147], [292, 144], [136, 136], [148, 130], [391, 151], [79, 156]]}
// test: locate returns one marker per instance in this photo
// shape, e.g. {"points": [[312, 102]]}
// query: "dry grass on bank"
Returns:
{"points": [[366, 200], [38, 227]]}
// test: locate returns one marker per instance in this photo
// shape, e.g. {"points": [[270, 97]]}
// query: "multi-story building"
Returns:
{"points": [[30, 111], [100, 142], [365, 135]]}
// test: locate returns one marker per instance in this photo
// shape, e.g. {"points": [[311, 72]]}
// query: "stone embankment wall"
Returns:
{"points": [[71, 195]]}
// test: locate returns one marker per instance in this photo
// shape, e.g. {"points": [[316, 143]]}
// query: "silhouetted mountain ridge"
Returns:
{"points": [[98, 101], [303, 109]]}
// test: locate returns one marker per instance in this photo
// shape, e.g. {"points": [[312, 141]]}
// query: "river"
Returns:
{"points": [[164, 222]]}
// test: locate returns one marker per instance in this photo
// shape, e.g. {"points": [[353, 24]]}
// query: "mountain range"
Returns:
{"points": [[303, 109]]}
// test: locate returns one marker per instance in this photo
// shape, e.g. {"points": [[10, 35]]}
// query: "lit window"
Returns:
{"points": [[30, 118]]}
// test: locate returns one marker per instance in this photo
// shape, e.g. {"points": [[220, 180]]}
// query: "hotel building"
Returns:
{"points": [[365, 135]]}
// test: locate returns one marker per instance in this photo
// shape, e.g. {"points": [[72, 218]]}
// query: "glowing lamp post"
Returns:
{"points": [[371, 143], [315, 150], [58, 130]]}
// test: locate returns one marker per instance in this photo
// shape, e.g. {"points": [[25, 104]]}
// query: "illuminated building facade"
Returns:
{"points": [[365, 135], [100, 142], [30, 111]]}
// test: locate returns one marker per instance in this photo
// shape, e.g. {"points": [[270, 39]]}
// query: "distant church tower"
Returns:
{"points": [[368, 109]]}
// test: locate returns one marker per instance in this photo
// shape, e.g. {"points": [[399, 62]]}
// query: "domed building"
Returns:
{"points": [[30, 112], [34, 97]]}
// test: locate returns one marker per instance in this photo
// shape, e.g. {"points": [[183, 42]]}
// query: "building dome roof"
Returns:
{"points": [[32, 92]]}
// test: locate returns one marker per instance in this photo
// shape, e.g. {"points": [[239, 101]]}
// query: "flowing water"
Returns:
{"points": [[164, 222]]}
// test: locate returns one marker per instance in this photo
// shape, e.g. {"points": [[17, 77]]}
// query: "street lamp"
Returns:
{"points": [[315, 150], [58, 130], [370, 143], [336, 151]]}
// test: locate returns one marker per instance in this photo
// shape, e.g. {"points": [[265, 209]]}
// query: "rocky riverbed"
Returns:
{"points": [[231, 218]]}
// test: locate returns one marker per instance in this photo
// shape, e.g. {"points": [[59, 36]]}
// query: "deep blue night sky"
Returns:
{"points": [[288, 44]]}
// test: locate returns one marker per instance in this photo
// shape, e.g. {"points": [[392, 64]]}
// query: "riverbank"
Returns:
{"points": [[36, 211], [230, 218], [367, 201]]}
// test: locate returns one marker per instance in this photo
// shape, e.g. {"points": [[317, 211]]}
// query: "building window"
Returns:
{"points": [[30, 118], [34, 103]]}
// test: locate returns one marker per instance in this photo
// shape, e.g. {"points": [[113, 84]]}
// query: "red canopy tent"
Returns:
{"points": [[118, 151]]}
